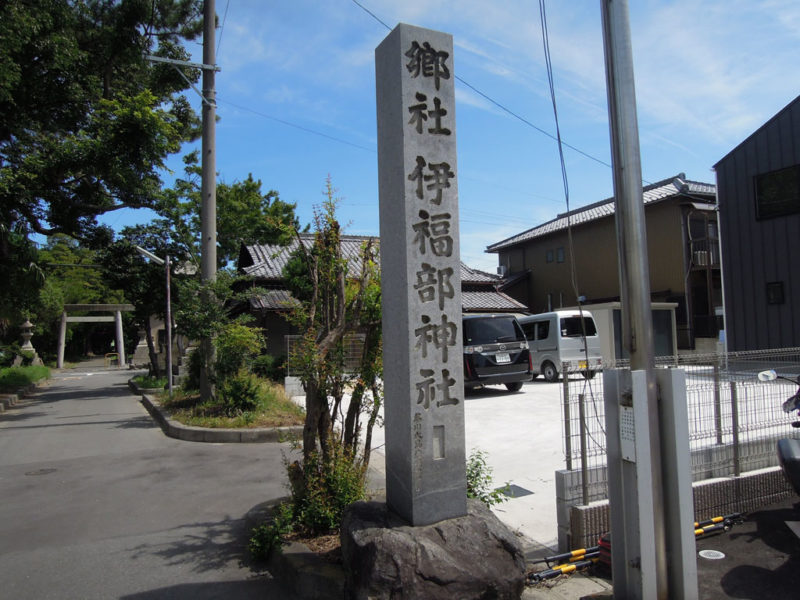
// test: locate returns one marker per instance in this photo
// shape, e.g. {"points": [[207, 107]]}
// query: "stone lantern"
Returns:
{"points": [[27, 334]]}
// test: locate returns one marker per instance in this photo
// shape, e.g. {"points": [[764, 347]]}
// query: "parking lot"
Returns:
{"points": [[521, 434]]}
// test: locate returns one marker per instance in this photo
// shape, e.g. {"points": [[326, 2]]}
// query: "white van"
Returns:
{"points": [[556, 337]]}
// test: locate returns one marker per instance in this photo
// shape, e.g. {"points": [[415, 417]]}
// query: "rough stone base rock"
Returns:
{"points": [[474, 556]]}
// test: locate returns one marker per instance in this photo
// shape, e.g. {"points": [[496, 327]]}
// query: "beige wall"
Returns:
{"points": [[596, 262]]}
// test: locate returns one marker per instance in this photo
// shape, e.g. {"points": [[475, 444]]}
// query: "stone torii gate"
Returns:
{"points": [[117, 309]]}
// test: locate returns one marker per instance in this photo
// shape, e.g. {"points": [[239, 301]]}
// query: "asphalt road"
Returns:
{"points": [[95, 502]]}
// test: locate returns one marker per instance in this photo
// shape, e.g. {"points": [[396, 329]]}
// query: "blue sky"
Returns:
{"points": [[296, 97]]}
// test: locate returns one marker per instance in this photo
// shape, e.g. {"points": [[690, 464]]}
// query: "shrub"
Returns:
{"points": [[192, 381], [269, 366], [14, 378], [479, 480], [267, 537], [240, 393], [145, 381], [328, 488], [236, 346]]}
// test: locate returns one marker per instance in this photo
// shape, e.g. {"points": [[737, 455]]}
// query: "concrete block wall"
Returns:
{"points": [[715, 497]]}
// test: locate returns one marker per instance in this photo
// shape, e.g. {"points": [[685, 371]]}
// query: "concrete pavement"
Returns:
{"points": [[96, 502]]}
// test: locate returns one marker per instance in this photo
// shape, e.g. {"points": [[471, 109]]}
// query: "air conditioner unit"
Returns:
{"points": [[701, 258]]}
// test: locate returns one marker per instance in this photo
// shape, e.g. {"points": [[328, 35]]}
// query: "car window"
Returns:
{"points": [[542, 330], [491, 331], [571, 327]]}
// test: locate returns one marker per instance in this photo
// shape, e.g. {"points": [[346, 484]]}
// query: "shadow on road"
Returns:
{"points": [[762, 557], [258, 587]]}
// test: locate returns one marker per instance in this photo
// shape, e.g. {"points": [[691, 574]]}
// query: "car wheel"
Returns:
{"points": [[514, 387], [550, 372], [588, 374]]}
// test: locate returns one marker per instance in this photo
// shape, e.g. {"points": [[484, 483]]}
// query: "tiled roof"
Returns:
{"points": [[490, 301], [656, 192], [470, 275], [273, 300], [268, 260]]}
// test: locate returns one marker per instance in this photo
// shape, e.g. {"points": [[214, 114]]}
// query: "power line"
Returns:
{"points": [[498, 104], [222, 28], [296, 126]]}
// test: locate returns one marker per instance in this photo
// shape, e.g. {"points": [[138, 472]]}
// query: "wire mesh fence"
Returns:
{"points": [[352, 348], [734, 419]]}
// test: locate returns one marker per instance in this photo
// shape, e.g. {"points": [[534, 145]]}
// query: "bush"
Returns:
{"points": [[240, 393], [329, 487], [14, 378], [192, 381], [9, 353], [269, 366], [147, 382], [479, 480], [267, 537], [236, 347]]}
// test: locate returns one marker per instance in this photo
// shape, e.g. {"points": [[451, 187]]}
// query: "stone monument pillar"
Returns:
{"points": [[420, 276]]}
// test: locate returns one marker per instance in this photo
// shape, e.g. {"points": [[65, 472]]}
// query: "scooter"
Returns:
{"points": [[788, 448]]}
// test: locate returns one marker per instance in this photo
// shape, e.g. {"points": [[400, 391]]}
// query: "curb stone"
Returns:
{"points": [[298, 568], [9, 399], [188, 433]]}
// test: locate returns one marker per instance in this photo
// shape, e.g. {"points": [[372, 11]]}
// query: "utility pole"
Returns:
{"points": [[634, 272], [647, 432], [208, 209]]}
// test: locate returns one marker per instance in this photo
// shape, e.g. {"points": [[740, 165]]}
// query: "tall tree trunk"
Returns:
{"points": [[313, 413]]}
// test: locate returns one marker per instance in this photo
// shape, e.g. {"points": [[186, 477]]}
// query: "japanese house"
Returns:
{"points": [[265, 264], [683, 252], [758, 185]]}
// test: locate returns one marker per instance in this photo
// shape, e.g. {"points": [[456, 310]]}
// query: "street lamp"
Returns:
{"points": [[168, 319]]}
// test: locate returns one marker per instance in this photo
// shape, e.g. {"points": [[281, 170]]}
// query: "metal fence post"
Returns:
{"points": [[567, 420], [717, 402], [737, 468], [584, 465]]}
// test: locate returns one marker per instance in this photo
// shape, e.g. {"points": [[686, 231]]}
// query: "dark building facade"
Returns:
{"points": [[758, 187]]}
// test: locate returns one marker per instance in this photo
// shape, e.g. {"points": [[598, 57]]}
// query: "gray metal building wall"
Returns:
{"points": [[756, 252]]}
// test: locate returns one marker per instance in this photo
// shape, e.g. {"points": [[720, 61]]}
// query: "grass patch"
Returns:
{"points": [[13, 378], [273, 409], [145, 381]]}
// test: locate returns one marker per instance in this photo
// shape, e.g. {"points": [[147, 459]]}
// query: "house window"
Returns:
{"points": [[548, 256], [560, 254], [775, 292], [778, 193]]}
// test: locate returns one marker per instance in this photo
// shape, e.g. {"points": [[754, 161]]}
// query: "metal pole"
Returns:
{"points": [[168, 323], [567, 423], [717, 401], [632, 249], [584, 458], [737, 467], [208, 210]]}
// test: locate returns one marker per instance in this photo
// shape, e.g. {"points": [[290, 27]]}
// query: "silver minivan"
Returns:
{"points": [[557, 337]]}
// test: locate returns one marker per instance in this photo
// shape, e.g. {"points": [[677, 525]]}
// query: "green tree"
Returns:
{"points": [[20, 275], [144, 282], [86, 121], [333, 304], [72, 276], [244, 213]]}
